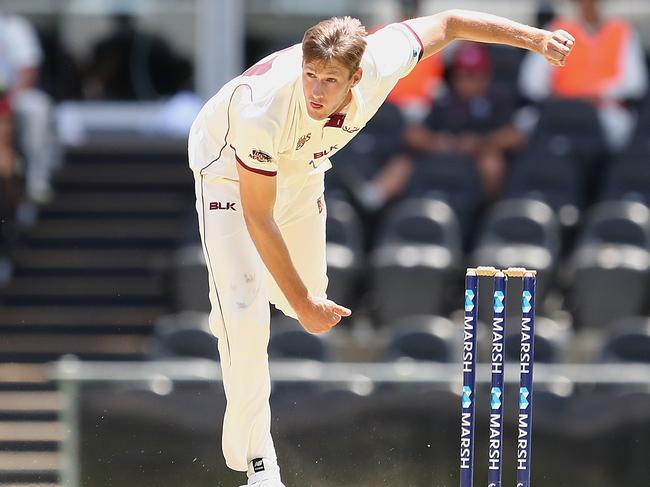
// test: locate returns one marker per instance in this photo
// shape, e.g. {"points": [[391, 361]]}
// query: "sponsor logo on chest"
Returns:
{"points": [[323, 153]]}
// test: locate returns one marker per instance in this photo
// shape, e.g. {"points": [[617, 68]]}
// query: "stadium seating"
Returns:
{"points": [[553, 180], [520, 233], [418, 252], [610, 264], [628, 178], [551, 341], [345, 255], [571, 128], [423, 337], [289, 341], [184, 335], [628, 340], [451, 178]]}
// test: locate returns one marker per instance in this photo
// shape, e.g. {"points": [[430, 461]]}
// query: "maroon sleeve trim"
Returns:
{"points": [[253, 169], [418, 39]]}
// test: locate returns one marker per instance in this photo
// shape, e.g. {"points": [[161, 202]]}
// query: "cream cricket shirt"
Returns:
{"points": [[260, 120]]}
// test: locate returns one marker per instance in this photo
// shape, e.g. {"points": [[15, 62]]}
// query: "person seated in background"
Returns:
{"points": [[607, 66], [473, 118], [20, 57], [10, 185]]}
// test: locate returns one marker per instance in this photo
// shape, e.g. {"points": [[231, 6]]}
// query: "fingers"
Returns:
{"points": [[559, 46], [564, 37], [342, 310]]}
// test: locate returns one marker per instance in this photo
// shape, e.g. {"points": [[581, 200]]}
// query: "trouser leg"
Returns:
{"points": [[240, 320]]}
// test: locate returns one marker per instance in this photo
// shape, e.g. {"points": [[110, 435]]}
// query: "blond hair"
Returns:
{"points": [[340, 38]]}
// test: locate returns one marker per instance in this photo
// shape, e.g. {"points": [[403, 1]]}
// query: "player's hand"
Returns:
{"points": [[320, 314], [557, 46]]}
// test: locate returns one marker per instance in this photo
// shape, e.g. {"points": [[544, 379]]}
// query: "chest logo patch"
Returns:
{"points": [[303, 140], [350, 130]]}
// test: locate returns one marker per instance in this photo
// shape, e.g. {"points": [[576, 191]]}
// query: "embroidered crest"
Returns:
{"points": [[260, 156], [303, 140], [350, 130]]}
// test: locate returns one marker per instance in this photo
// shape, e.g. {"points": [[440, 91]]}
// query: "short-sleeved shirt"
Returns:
{"points": [[259, 120], [19, 49]]}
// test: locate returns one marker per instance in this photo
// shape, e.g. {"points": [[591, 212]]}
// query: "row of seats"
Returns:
{"points": [[417, 263], [419, 337], [419, 254]]}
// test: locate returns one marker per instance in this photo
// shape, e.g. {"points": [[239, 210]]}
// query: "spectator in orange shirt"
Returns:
{"points": [[607, 66]]}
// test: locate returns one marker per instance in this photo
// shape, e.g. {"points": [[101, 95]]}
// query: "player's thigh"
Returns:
{"points": [[305, 239], [235, 269]]}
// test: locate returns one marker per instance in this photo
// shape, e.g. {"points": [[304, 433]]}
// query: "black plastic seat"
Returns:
{"points": [[452, 178], [520, 233], [611, 264], [617, 222], [345, 255], [184, 335], [551, 179], [628, 178], [628, 341], [428, 338], [424, 221], [571, 128], [289, 341], [418, 255]]}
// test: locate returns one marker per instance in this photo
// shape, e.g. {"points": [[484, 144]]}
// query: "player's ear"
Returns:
{"points": [[356, 76]]}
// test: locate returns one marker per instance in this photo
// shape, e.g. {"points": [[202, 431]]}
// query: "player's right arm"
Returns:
{"points": [[257, 193]]}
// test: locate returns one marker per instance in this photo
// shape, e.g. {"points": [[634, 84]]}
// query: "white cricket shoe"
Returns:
{"points": [[263, 472], [265, 483]]}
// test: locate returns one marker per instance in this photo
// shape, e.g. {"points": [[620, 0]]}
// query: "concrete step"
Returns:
{"points": [[80, 315], [30, 484], [49, 346], [70, 260], [106, 202], [106, 229], [85, 286], [30, 401], [125, 174], [24, 376], [30, 461], [25, 431]]}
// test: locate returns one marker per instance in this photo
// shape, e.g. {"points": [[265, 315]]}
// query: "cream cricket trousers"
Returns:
{"points": [[240, 291]]}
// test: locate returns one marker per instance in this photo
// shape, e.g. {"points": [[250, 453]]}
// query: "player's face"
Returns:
{"points": [[327, 87]]}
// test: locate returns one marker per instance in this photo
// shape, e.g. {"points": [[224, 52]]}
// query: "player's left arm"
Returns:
{"points": [[436, 31]]}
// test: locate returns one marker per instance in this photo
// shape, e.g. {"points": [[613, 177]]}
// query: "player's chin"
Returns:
{"points": [[320, 114]]}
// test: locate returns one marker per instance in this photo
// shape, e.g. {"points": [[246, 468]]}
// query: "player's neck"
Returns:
{"points": [[346, 101]]}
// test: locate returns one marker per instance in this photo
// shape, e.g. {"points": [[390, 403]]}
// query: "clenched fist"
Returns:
{"points": [[557, 46]]}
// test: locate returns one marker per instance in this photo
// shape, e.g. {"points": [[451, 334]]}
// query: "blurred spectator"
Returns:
{"points": [[129, 64], [414, 93], [473, 118], [545, 13], [20, 57], [607, 66], [10, 186]]}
